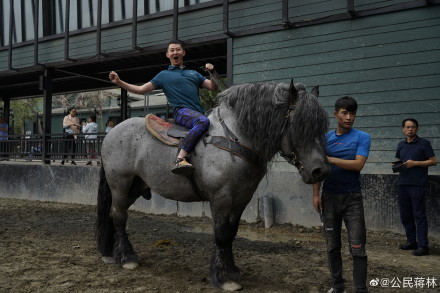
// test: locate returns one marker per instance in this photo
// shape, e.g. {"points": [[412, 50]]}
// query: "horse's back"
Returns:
{"points": [[121, 146]]}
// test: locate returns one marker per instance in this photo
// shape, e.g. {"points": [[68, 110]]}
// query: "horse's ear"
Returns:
{"points": [[315, 91], [293, 93]]}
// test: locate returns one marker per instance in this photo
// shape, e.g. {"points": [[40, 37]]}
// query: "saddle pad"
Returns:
{"points": [[158, 127]]}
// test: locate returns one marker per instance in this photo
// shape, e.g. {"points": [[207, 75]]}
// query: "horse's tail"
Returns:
{"points": [[104, 222]]}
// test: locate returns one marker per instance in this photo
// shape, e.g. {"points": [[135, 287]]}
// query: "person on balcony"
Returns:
{"points": [[71, 128], [91, 130]]}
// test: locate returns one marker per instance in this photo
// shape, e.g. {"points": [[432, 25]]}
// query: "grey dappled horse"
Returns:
{"points": [[265, 117]]}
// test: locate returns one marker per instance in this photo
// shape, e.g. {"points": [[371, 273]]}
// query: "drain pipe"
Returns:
{"points": [[268, 211]]}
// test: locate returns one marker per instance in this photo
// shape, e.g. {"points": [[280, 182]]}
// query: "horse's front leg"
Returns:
{"points": [[123, 251], [224, 273]]}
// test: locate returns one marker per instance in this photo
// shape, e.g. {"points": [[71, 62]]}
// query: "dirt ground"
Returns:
{"points": [[50, 247]]}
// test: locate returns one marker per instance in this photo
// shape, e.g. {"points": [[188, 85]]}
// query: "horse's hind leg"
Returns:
{"points": [[123, 251], [139, 188], [224, 273]]}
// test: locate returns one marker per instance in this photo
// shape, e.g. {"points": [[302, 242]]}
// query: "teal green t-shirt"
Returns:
{"points": [[181, 86]]}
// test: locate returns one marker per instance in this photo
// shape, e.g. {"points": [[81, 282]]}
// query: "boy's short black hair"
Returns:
{"points": [[412, 120], [93, 117], [346, 102]]}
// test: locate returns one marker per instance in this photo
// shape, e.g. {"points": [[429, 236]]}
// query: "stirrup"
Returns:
{"points": [[182, 167]]}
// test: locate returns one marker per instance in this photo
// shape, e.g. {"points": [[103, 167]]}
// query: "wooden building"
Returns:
{"points": [[386, 54]]}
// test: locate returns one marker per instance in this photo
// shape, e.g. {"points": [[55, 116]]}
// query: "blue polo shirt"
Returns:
{"points": [[417, 150], [345, 146], [181, 86]]}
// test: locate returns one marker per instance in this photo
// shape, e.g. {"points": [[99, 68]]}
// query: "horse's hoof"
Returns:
{"points": [[231, 286], [130, 265], [108, 259]]}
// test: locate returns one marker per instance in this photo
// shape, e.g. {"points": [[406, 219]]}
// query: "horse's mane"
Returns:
{"points": [[261, 109]]}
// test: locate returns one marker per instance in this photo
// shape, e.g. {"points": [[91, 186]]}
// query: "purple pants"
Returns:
{"points": [[195, 121]]}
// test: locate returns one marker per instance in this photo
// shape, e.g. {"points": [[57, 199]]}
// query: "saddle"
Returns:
{"points": [[166, 131], [170, 134]]}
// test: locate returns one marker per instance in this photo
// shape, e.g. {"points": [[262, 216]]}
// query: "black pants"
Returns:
{"points": [[69, 146], [413, 213], [347, 207], [4, 149]]}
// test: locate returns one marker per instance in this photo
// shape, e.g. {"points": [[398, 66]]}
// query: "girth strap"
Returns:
{"points": [[235, 148], [195, 187]]}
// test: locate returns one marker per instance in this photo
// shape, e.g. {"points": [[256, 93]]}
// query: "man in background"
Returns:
{"points": [[417, 155]]}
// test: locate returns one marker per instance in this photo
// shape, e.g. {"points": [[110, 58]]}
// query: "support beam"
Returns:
{"points": [[176, 20], [134, 27], [229, 58], [67, 33], [6, 110], [285, 11], [47, 112], [226, 18], [11, 31], [36, 31], [124, 104], [350, 8], [99, 31]]}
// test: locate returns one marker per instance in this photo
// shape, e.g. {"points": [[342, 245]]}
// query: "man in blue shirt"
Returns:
{"points": [[181, 87], [417, 155], [347, 151]]}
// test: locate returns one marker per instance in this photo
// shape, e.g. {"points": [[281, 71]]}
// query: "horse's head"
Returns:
{"points": [[303, 139]]}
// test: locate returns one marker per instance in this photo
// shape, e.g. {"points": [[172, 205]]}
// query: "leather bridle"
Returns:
{"points": [[291, 157]]}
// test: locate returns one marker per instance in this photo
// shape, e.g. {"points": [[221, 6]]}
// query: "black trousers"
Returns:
{"points": [[69, 146], [412, 206], [349, 208]]}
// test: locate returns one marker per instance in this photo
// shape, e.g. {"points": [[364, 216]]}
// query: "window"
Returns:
{"points": [[82, 14], [155, 6], [23, 18]]}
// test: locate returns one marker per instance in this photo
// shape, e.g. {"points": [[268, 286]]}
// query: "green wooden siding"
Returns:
{"points": [[305, 10], [390, 63], [253, 14], [372, 4], [201, 23], [155, 31]]}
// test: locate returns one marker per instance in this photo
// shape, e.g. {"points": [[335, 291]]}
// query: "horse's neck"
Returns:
{"points": [[228, 116]]}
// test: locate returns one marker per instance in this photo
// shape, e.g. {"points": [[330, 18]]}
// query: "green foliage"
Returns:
{"points": [[208, 98], [24, 109]]}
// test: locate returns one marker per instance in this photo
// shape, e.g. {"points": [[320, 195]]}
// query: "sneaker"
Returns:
{"points": [[62, 162], [73, 163], [333, 290], [421, 251], [89, 163], [408, 246], [182, 167]]}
